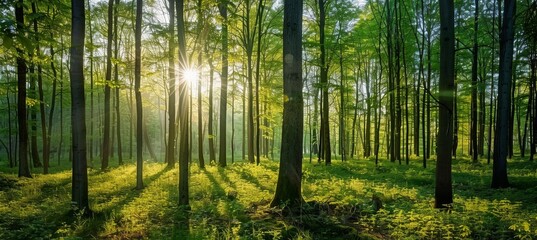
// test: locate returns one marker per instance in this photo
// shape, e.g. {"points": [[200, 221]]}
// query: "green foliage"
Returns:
{"points": [[349, 200]]}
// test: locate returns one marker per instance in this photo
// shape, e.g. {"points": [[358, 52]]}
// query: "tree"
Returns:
{"points": [[117, 85], [259, 20], [46, 147], [473, 135], [106, 129], [288, 188], [443, 188], [170, 148], [222, 6], [24, 168], [138, 94], [501, 131], [78, 108], [325, 151], [200, 59], [212, 155], [184, 150]]}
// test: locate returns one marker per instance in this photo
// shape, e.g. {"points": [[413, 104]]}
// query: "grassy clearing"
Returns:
{"points": [[232, 203]]}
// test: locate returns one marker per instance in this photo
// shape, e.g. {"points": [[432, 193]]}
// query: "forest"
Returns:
{"points": [[268, 119]]}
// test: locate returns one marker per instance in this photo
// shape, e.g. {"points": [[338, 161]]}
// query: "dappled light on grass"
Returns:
{"points": [[355, 198]]}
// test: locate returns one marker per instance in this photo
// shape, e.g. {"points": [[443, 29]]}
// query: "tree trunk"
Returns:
{"points": [[41, 97], [24, 168], [342, 137], [117, 85], [170, 148], [212, 154], [367, 135], [222, 6], [12, 162], [200, 112], [184, 149], [289, 186], [473, 128], [106, 132], [34, 152], [443, 186], [325, 128], [78, 109], [138, 95], [501, 132], [259, 20], [91, 58], [248, 42]]}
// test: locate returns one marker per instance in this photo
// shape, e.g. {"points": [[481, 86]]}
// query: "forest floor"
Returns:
{"points": [[347, 200]]}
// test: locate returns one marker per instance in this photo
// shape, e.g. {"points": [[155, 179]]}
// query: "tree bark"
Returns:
{"points": [[184, 144], [106, 130], [443, 186], [78, 109], [326, 152], [117, 85], [200, 80], [170, 148], [46, 148], [501, 132], [24, 168], [474, 118], [138, 95], [212, 154], [222, 6], [289, 186]]}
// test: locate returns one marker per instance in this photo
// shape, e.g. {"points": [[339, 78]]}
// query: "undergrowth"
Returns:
{"points": [[347, 200]]}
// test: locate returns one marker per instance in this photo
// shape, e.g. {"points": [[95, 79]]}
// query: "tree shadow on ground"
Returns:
{"points": [[98, 219]]}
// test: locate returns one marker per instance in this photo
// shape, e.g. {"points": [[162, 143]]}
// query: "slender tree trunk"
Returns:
{"points": [[212, 155], [474, 118], [233, 89], [138, 95], [117, 85], [443, 185], [533, 100], [60, 144], [314, 137], [91, 58], [53, 97], [342, 137], [492, 102], [11, 159], [41, 97], [222, 6], [259, 20], [200, 112], [501, 151], [34, 151], [184, 149], [397, 81], [170, 148], [250, 116], [106, 132], [481, 110], [24, 168], [325, 128], [367, 135], [78, 109]]}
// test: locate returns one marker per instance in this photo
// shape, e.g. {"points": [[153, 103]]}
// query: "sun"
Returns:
{"points": [[190, 75]]}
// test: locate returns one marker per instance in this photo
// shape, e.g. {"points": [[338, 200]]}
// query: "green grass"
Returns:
{"points": [[232, 203]]}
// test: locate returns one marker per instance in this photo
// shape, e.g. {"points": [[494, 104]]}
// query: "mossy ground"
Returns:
{"points": [[232, 203]]}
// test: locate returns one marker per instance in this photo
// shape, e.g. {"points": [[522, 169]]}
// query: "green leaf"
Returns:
{"points": [[26, 43], [7, 42]]}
